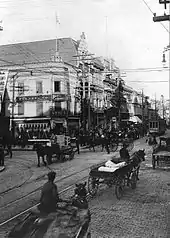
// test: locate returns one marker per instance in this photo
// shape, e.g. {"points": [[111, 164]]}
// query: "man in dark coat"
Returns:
{"points": [[49, 195], [124, 153]]}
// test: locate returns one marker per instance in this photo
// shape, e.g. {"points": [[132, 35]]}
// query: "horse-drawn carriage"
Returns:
{"points": [[62, 151], [161, 152], [118, 174]]}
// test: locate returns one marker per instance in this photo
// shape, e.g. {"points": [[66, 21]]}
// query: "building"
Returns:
{"points": [[41, 86]]}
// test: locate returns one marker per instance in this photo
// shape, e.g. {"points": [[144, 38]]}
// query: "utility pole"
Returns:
{"points": [[160, 19], [142, 115]]}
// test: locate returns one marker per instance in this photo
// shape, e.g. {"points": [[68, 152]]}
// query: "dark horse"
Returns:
{"points": [[103, 141], [48, 151], [133, 164]]}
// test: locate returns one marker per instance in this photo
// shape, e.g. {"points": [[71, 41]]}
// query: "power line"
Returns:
{"points": [[153, 14]]}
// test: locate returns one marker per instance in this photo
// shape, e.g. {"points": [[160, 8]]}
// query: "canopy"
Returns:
{"points": [[135, 119]]}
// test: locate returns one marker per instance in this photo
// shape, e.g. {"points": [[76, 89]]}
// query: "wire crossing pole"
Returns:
{"points": [[159, 19]]}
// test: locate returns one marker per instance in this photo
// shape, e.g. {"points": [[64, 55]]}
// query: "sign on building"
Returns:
{"points": [[3, 84]]}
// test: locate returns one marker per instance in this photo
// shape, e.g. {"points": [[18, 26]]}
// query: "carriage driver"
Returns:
{"points": [[124, 153], [49, 195]]}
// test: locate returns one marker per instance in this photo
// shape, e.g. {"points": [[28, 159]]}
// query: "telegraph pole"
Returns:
{"points": [[142, 114], [160, 19]]}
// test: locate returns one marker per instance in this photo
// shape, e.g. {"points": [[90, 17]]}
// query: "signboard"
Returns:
{"points": [[61, 98], [34, 98], [3, 84]]}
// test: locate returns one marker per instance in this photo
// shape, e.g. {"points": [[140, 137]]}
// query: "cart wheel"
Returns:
{"points": [[133, 181], [113, 147], [119, 188], [92, 185], [130, 145], [153, 161]]}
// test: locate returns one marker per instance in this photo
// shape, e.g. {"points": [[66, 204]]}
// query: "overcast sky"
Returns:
{"points": [[120, 29]]}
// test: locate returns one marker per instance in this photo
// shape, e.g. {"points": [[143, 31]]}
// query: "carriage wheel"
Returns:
{"points": [[133, 180], [130, 145], [113, 147], [92, 185], [153, 161], [119, 187]]}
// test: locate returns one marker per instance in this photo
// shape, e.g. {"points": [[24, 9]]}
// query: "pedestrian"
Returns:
{"points": [[2, 154], [49, 195]]}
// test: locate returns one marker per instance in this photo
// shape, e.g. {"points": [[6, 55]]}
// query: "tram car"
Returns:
{"points": [[157, 127]]}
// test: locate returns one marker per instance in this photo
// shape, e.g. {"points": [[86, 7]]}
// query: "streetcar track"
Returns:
{"points": [[39, 188], [28, 209]]}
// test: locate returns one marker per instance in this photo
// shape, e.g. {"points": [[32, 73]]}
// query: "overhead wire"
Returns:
{"points": [[153, 14]]}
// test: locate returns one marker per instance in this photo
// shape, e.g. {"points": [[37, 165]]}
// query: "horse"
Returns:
{"points": [[134, 164], [103, 141], [80, 196], [136, 159]]}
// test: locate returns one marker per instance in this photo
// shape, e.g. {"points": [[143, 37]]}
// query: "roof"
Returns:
{"points": [[41, 51]]}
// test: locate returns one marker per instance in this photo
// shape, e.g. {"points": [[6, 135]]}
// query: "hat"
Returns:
{"points": [[51, 175]]}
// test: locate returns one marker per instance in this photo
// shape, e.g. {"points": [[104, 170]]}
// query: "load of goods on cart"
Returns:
{"points": [[116, 173]]}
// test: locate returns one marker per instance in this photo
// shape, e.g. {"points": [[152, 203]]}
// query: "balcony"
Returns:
{"points": [[60, 113]]}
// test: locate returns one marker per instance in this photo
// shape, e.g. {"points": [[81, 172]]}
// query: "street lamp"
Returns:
{"points": [[164, 62]]}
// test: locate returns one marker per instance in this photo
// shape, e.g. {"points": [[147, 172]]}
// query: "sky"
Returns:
{"points": [[121, 29]]}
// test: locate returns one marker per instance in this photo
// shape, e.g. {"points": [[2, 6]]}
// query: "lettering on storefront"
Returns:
{"points": [[61, 98], [34, 98]]}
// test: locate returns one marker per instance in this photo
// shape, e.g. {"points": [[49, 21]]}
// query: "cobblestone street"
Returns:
{"points": [[143, 212]]}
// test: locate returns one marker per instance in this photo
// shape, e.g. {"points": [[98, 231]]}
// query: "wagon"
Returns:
{"points": [[161, 152], [121, 177]]}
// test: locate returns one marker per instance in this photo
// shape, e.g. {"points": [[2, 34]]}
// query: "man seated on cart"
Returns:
{"points": [[124, 153]]}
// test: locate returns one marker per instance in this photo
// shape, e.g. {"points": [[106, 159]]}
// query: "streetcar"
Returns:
{"points": [[157, 127]]}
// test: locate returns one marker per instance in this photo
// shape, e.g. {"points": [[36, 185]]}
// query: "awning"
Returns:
{"points": [[135, 119]]}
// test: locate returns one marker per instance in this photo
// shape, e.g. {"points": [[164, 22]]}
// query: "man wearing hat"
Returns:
{"points": [[49, 195], [124, 153]]}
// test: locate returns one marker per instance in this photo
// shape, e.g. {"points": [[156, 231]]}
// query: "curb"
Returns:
{"points": [[2, 168]]}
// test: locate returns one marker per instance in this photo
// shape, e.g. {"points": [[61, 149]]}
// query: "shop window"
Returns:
{"points": [[39, 108], [20, 88], [21, 108], [57, 86], [39, 87]]}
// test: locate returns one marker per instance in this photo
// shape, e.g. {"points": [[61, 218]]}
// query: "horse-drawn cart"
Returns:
{"points": [[161, 152], [118, 174]]}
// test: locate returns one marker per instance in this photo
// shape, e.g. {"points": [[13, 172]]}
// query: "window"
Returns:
{"points": [[56, 86], [39, 87], [39, 108], [21, 108], [20, 88]]}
